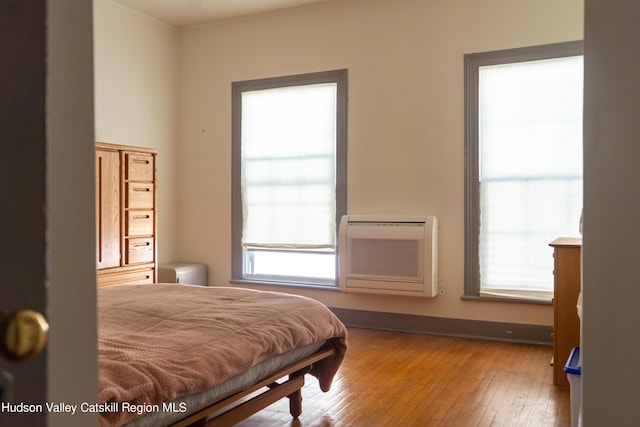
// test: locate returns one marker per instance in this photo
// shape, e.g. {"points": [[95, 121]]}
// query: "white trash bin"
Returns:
{"points": [[574, 375]]}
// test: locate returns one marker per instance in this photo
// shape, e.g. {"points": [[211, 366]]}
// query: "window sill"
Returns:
{"points": [[284, 284]]}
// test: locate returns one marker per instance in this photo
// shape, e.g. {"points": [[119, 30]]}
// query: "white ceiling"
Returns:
{"points": [[187, 13]]}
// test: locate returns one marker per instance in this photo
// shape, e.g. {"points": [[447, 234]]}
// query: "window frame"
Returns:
{"points": [[237, 88], [472, 64]]}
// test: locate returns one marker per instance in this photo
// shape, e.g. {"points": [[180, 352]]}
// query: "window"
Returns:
{"points": [[288, 177], [523, 184]]}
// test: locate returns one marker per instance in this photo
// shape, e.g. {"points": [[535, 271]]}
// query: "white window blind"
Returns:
{"points": [[530, 145], [288, 164]]}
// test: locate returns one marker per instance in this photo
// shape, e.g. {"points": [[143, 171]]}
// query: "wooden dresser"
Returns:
{"points": [[126, 214], [566, 323]]}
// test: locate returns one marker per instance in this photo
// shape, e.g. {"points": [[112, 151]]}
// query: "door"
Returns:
{"points": [[108, 208], [47, 202], [22, 194]]}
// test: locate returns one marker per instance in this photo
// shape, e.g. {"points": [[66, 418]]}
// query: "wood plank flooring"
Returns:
{"points": [[400, 379]]}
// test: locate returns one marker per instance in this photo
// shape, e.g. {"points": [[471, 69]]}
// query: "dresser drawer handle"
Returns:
{"points": [[141, 245], [141, 161], [141, 216], [145, 189]]}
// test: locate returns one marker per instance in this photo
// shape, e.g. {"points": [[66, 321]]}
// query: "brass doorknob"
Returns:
{"points": [[23, 334]]}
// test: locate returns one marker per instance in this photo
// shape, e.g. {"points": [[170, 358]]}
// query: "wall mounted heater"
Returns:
{"points": [[389, 255]]}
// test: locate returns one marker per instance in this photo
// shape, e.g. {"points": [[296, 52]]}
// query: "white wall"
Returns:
{"points": [[136, 97], [406, 119], [611, 271]]}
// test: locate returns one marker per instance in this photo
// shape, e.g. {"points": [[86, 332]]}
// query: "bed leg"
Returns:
{"points": [[295, 398], [295, 403]]}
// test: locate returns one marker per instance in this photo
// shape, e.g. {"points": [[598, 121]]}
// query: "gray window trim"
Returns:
{"points": [[333, 76], [472, 64]]}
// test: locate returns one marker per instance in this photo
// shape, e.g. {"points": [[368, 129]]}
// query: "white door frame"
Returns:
{"points": [[72, 352]]}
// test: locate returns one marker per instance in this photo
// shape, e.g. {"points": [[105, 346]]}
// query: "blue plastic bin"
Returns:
{"points": [[574, 375]]}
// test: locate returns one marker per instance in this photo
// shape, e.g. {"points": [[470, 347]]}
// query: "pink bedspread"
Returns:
{"points": [[165, 341]]}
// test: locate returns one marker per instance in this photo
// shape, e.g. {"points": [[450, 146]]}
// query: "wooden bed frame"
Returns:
{"points": [[243, 404]]}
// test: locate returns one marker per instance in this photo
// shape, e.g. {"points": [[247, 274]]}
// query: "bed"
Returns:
{"points": [[182, 355]]}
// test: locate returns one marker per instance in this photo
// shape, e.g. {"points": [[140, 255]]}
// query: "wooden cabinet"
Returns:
{"points": [[566, 323], [126, 214]]}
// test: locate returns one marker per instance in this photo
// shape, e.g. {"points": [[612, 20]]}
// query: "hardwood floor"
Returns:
{"points": [[401, 379]]}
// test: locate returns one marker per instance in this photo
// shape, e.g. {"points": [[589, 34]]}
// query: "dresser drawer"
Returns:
{"points": [[143, 276], [139, 167], [139, 223], [139, 250], [140, 195]]}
